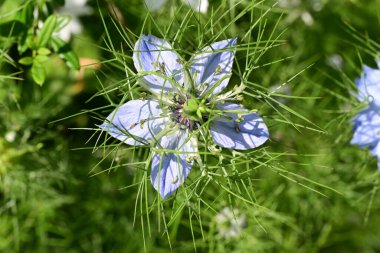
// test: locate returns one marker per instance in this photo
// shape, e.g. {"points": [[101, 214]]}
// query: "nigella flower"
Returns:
{"points": [[185, 103], [196, 5], [367, 122]]}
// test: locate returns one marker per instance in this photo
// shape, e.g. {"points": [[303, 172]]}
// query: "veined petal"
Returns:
{"points": [[214, 64], [170, 169], [375, 151], [152, 54], [366, 128], [227, 132], [369, 85], [135, 121], [197, 5]]}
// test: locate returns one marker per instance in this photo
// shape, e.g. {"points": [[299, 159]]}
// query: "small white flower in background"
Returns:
{"points": [[307, 18], [296, 9], [154, 5], [280, 89], [335, 61], [196, 5], [230, 223], [10, 136], [74, 9], [317, 5], [289, 3]]}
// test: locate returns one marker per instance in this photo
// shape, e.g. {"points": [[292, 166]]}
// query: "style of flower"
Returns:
{"points": [[196, 5], [75, 9], [185, 103], [367, 122]]}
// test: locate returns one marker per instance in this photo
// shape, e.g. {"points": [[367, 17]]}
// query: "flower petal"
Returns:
{"points": [[375, 151], [366, 128], [135, 121], [197, 5], [251, 132], [369, 85], [213, 64], [169, 170], [152, 54]]}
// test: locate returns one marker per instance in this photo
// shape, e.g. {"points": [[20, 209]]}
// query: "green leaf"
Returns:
{"points": [[26, 60], [47, 31], [65, 52], [43, 51], [41, 58], [62, 21], [38, 72]]}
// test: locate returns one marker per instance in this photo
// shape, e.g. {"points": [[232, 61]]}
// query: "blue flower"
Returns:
{"points": [[367, 122], [185, 104], [369, 85]]}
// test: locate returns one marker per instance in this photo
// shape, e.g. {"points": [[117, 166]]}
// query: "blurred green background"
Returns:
{"points": [[58, 193]]}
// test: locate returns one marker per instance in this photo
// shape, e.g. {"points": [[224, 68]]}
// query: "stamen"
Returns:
{"points": [[218, 70], [190, 158], [239, 119], [195, 75], [175, 180], [143, 96], [162, 68]]}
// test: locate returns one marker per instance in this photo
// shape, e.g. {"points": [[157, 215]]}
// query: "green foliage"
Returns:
{"points": [[65, 52], [22, 27]]}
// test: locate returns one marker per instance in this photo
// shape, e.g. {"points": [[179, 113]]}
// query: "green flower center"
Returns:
{"points": [[191, 106], [193, 109]]}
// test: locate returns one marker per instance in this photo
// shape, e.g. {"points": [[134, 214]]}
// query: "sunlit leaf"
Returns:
{"points": [[41, 58], [38, 72], [26, 60], [43, 51], [47, 31], [62, 21]]}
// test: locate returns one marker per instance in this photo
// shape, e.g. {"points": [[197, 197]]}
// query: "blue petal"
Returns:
{"points": [[212, 64], [375, 151], [152, 54], [369, 85], [366, 128], [169, 170], [135, 122], [251, 132]]}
